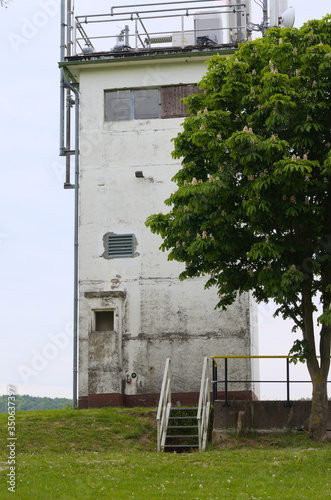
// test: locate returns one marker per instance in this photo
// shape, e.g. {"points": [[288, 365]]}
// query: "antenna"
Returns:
{"points": [[288, 17], [276, 9], [279, 15]]}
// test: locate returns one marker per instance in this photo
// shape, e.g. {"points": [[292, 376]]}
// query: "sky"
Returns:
{"points": [[36, 216]]}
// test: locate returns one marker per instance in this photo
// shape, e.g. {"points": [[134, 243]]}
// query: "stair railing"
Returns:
{"points": [[204, 406], [163, 411]]}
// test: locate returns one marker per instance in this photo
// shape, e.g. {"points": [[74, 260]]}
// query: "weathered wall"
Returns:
{"points": [[157, 316], [261, 416]]}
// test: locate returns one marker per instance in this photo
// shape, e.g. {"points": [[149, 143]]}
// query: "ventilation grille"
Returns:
{"points": [[120, 245]]}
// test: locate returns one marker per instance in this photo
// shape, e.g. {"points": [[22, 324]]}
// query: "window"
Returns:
{"points": [[104, 321], [144, 104], [119, 245], [118, 105], [132, 104], [147, 103]]}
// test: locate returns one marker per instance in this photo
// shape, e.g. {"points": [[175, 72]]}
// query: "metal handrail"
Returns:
{"points": [[226, 381], [137, 14], [164, 407], [204, 406]]}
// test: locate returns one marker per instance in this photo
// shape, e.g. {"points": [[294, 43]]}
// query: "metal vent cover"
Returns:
{"points": [[120, 245]]}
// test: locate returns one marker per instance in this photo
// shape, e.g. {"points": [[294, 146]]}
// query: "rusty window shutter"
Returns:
{"points": [[171, 104]]}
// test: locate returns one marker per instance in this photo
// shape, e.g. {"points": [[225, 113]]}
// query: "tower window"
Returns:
{"points": [[164, 102], [132, 104], [147, 103], [104, 321]]}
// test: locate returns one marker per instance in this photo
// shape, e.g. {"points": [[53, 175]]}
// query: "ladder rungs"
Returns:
{"points": [[186, 436], [183, 418], [182, 427], [181, 446], [179, 408]]}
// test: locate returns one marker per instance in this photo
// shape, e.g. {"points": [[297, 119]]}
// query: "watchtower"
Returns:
{"points": [[132, 311]]}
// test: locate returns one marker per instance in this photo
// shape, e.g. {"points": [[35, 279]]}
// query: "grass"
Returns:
{"points": [[111, 454]]}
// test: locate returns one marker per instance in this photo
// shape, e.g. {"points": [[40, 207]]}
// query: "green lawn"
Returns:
{"points": [[111, 453]]}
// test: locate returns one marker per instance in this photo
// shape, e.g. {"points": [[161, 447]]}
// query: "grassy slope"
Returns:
{"points": [[110, 454]]}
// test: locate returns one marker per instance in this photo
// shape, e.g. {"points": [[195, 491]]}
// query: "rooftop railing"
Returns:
{"points": [[161, 25]]}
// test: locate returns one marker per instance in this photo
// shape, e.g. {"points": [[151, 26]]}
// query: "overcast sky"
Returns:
{"points": [[36, 217]]}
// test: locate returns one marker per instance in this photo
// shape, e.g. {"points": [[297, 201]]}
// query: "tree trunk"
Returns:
{"points": [[318, 372], [319, 409]]}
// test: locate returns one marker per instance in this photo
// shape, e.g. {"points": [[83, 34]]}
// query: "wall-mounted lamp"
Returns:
{"points": [[139, 174]]}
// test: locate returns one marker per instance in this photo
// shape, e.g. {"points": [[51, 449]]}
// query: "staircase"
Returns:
{"points": [[182, 431]]}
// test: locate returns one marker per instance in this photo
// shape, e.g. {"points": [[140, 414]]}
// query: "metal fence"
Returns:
{"points": [[175, 23], [227, 380]]}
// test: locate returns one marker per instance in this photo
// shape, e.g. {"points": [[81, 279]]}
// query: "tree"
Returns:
{"points": [[4, 3], [253, 206]]}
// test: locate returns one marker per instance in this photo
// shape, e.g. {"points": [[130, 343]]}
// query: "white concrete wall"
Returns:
{"points": [[160, 316]]}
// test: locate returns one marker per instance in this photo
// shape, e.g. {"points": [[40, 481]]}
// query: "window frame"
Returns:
{"points": [[167, 109], [97, 322], [132, 100]]}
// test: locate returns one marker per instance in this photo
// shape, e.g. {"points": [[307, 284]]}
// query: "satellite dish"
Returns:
{"points": [[288, 17]]}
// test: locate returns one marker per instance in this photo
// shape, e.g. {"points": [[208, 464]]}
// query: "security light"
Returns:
{"points": [[139, 174]]}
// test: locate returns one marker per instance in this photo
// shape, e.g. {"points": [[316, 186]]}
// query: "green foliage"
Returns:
{"points": [[300, 351], [252, 208], [29, 403]]}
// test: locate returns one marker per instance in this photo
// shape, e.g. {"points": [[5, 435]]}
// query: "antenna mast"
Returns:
{"points": [[265, 17]]}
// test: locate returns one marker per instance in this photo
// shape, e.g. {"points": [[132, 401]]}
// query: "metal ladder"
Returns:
{"points": [[183, 430]]}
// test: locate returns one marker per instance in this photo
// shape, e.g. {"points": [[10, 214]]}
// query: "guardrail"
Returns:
{"points": [[226, 380], [133, 27], [164, 408], [204, 406]]}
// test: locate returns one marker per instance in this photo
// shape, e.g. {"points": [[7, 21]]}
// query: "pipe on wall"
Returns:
{"points": [[265, 17], [62, 91], [65, 84], [68, 85], [68, 96]]}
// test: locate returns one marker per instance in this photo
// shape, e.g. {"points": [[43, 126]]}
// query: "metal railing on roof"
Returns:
{"points": [[136, 27]]}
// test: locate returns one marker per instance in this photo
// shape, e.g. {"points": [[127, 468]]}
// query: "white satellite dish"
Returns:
{"points": [[287, 18]]}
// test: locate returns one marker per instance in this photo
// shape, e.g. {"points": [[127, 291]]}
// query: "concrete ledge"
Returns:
{"points": [[261, 416], [105, 294]]}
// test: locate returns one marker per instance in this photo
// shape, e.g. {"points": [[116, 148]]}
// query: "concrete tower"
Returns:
{"points": [[133, 310]]}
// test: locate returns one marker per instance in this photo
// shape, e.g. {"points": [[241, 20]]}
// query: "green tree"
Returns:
{"points": [[253, 206], [33, 403]]}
